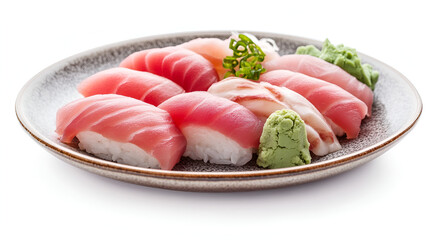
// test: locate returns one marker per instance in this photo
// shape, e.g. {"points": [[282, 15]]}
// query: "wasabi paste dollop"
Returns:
{"points": [[283, 142], [344, 57]]}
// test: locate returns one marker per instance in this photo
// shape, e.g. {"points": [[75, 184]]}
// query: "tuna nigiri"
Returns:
{"points": [[188, 69], [339, 106], [212, 49], [122, 129], [144, 86], [217, 130], [319, 68], [263, 99]]}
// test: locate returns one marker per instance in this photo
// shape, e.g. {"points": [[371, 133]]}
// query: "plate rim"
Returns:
{"points": [[230, 175]]}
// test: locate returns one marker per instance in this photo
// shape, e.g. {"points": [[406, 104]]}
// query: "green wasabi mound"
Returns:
{"points": [[283, 141], [344, 57]]}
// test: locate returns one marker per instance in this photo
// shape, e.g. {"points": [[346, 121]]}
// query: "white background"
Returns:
{"points": [[43, 197]]}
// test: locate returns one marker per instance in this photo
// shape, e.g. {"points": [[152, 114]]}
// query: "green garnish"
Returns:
{"points": [[249, 66]]}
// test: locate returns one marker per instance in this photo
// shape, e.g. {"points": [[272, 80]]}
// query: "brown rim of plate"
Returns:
{"points": [[112, 166]]}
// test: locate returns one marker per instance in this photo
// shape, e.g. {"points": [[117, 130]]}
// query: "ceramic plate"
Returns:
{"points": [[397, 106]]}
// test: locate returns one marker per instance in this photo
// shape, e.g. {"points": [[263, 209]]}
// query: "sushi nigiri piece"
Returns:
{"points": [[215, 49], [321, 69], [145, 86], [122, 129], [334, 103], [188, 69], [212, 49], [216, 130], [263, 99]]}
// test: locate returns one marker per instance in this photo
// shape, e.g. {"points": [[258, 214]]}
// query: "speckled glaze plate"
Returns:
{"points": [[397, 107]]}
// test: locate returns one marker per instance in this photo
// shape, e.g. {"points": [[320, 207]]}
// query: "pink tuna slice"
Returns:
{"points": [[319, 68], [206, 110], [124, 120], [212, 49], [188, 69], [342, 108], [145, 86]]}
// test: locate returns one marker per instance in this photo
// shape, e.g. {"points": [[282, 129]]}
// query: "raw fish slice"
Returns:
{"points": [[188, 69], [342, 108], [213, 125], [263, 99], [145, 86], [125, 123], [212, 49], [319, 68], [215, 50]]}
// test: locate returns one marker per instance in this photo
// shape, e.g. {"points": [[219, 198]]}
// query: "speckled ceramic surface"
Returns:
{"points": [[397, 106]]}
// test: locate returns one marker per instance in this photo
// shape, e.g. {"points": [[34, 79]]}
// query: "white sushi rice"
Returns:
{"points": [[126, 153], [212, 146]]}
